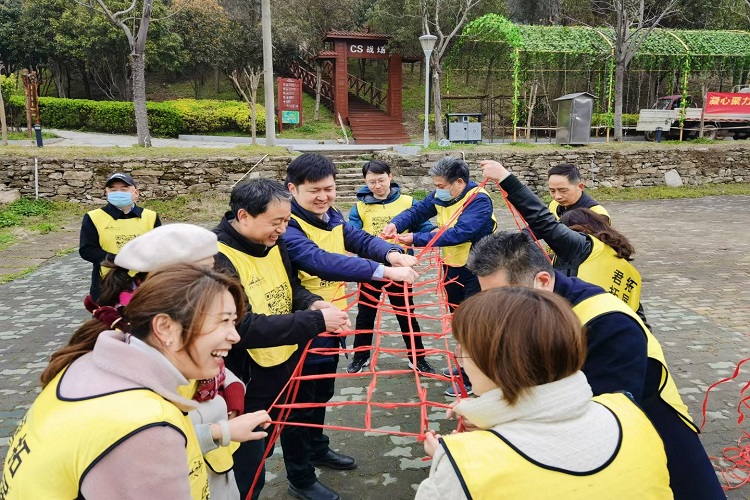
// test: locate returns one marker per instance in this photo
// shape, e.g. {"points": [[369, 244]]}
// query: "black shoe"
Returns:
{"points": [[357, 364], [451, 373], [422, 366], [334, 460], [316, 491], [452, 393]]}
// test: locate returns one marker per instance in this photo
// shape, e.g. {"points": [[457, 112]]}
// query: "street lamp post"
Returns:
{"points": [[428, 43]]}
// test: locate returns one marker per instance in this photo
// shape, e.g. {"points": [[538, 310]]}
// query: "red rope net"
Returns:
{"points": [[733, 467], [431, 309]]}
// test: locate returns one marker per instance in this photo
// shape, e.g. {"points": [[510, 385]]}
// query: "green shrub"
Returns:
{"points": [[605, 119], [7, 87], [166, 119]]}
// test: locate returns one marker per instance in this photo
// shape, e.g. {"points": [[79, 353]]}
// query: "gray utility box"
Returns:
{"points": [[464, 127], [574, 118]]}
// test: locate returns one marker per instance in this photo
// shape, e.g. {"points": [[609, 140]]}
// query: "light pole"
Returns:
{"points": [[428, 43]]}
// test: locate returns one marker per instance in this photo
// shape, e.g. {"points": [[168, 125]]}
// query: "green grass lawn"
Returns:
{"points": [[20, 136]]}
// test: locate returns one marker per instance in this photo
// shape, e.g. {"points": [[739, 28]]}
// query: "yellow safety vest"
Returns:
{"points": [[604, 303], [457, 255], [114, 233], [596, 208], [617, 276], [491, 467], [333, 242], [219, 460], [268, 291], [59, 440], [375, 216]]}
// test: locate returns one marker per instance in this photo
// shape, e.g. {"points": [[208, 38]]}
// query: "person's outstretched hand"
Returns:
{"points": [[431, 443], [242, 428], [493, 170]]}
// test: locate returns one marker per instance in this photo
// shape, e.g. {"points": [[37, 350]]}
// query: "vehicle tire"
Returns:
{"points": [[710, 132], [650, 136]]}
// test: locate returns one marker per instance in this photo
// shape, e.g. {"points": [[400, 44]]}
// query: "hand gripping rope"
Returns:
{"points": [[430, 305]]}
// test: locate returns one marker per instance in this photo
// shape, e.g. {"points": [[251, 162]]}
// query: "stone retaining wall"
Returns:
{"points": [[82, 180]]}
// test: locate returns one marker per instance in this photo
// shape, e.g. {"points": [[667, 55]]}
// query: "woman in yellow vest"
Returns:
{"points": [[218, 398], [538, 432], [591, 249], [380, 200], [110, 422]]}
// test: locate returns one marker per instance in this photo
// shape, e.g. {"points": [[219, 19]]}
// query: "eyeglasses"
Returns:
{"points": [[378, 182], [458, 353]]}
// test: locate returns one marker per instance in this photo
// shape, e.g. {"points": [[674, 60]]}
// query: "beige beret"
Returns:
{"points": [[165, 245]]}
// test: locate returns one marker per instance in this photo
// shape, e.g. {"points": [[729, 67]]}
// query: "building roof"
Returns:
{"points": [[358, 35]]}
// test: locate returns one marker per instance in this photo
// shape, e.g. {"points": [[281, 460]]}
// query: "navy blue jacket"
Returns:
{"points": [[617, 361], [365, 195], [617, 347], [307, 256], [474, 223]]}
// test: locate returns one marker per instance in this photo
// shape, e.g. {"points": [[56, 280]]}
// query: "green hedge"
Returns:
{"points": [[165, 119], [602, 119]]}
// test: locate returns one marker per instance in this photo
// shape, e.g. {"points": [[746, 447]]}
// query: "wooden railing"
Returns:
{"points": [[309, 83], [367, 91]]}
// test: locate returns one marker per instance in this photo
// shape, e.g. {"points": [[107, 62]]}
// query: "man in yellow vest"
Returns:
{"points": [[380, 200], [105, 230], [453, 189], [566, 189], [622, 355], [282, 315], [318, 239]]}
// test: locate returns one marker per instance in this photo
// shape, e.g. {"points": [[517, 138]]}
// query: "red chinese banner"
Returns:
{"points": [[718, 103]]}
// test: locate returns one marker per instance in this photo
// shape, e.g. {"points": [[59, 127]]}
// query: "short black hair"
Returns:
{"points": [[451, 169], [309, 167], [375, 167], [254, 196], [514, 252], [568, 170]]}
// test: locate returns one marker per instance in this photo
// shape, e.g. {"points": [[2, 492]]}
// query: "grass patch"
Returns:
{"points": [[44, 227], [135, 152], [419, 194], [324, 128], [198, 208], [13, 214], [21, 136], [6, 240], [5, 278], [667, 193]]}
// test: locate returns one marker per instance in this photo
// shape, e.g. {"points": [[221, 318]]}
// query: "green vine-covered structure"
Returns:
{"points": [[492, 39]]}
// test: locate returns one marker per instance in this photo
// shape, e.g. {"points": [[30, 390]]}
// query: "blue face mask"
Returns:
{"points": [[443, 194], [120, 199]]}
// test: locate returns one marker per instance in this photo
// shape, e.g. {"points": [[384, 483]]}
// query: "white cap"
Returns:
{"points": [[166, 245]]}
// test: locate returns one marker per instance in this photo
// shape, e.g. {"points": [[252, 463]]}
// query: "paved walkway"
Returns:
{"points": [[694, 256]]}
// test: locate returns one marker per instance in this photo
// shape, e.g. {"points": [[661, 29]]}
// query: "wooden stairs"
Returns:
{"points": [[370, 125]]}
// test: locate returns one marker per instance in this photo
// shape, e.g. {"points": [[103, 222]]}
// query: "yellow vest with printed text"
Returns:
{"points": [[457, 255], [220, 459], [617, 276], [60, 440], [604, 303], [596, 208], [333, 242], [489, 466], [113, 234], [269, 292], [375, 216]]}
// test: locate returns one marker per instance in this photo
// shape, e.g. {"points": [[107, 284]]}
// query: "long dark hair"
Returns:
{"points": [[184, 292], [587, 221]]}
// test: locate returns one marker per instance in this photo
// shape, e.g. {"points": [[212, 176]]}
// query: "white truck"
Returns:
{"points": [[724, 114]]}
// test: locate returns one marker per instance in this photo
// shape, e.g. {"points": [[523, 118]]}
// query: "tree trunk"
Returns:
{"points": [[318, 83], [139, 100], [85, 78], [437, 103], [3, 124], [619, 81], [217, 87]]}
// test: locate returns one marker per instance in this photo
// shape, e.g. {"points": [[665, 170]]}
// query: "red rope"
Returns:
{"points": [[429, 261]]}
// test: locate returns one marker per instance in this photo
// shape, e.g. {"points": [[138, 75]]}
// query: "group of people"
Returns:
{"points": [[166, 391]]}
